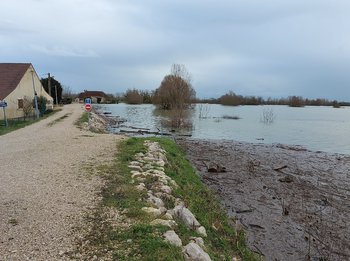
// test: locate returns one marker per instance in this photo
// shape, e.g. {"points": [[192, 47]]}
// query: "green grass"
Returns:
{"points": [[50, 124], [18, 124], [222, 241], [83, 118], [140, 241]]}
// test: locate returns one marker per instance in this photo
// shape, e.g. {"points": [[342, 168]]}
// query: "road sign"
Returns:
{"points": [[3, 104], [87, 101], [88, 107]]}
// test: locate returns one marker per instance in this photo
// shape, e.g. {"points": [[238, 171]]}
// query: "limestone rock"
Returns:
{"points": [[179, 202], [152, 211], [172, 238], [198, 240], [148, 166], [201, 230], [160, 163], [139, 155], [137, 168], [186, 216], [155, 201], [193, 252], [163, 210], [135, 163], [171, 212], [149, 159], [167, 223], [167, 216], [140, 179], [141, 187], [136, 174], [166, 189]]}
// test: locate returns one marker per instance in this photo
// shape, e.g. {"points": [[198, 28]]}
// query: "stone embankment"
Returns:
{"points": [[98, 123], [149, 176]]}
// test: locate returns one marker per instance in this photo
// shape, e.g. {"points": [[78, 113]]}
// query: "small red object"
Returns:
{"points": [[88, 107]]}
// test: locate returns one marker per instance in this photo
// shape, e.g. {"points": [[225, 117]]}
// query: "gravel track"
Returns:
{"points": [[45, 185]]}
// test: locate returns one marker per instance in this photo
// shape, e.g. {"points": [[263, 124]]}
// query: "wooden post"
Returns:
{"points": [[6, 123]]}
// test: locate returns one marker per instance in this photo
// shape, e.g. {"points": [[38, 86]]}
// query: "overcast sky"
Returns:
{"points": [[264, 48]]}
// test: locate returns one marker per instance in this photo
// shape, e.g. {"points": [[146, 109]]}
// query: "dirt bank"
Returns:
{"points": [[294, 204]]}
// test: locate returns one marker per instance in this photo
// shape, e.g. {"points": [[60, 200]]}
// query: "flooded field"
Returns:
{"points": [[293, 204], [316, 128]]}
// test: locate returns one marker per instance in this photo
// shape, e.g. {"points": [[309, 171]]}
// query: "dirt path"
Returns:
{"points": [[46, 187], [299, 212]]}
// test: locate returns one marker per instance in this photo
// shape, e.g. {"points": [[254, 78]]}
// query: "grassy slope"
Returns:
{"points": [[132, 238]]}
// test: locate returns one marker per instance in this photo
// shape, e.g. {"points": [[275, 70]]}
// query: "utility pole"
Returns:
{"points": [[56, 95], [35, 96], [49, 83]]}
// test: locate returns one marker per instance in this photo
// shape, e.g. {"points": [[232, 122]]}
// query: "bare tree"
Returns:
{"points": [[175, 91], [27, 107], [133, 97], [176, 94], [203, 110], [67, 91], [268, 116]]}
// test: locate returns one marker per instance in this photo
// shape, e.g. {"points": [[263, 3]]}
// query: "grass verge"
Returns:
{"points": [[50, 124], [121, 231], [18, 124], [83, 118]]}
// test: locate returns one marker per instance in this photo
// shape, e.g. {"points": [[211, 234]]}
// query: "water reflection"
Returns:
{"points": [[317, 128], [179, 121]]}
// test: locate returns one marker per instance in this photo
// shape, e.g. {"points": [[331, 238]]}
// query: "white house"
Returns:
{"points": [[18, 83]]}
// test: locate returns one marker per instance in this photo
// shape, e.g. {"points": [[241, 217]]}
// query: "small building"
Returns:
{"points": [[18, 82], [95, 96]]}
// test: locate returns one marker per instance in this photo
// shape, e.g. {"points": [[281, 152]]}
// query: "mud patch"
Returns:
{"points": [[294, 204]]}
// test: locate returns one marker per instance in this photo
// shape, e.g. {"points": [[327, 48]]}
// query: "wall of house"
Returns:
{"points": [[24, 89]]}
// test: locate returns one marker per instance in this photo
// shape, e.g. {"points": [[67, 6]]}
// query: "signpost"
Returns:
{"points": [[3, 104], [88, 107]]}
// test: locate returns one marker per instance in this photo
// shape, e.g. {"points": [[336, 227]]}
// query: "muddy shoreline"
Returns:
{"points": [[294, 204]]}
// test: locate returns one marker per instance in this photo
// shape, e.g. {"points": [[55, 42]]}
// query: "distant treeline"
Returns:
{"points": [[134, 96], [233, 99]]}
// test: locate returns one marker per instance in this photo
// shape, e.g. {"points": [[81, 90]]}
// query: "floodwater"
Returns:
{"points": [[315, 128]]}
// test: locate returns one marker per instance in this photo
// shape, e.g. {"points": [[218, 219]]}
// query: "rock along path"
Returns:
{"points": [[46, 187]]}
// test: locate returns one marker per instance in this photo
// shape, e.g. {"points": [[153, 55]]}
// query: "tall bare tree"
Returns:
{"points": [[175, 91]]}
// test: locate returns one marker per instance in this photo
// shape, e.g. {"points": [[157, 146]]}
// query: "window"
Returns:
{"points": [[20, 103]]}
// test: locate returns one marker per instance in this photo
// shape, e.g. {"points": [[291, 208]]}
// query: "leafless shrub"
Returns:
{"points": [[203, 110], [176, 95], [175, 91], [268, 116], [27, 107], [217, 119], [133, 97]]}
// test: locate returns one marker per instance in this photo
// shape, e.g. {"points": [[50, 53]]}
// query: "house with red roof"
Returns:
{"points": [[95, 96], [19, 82]]}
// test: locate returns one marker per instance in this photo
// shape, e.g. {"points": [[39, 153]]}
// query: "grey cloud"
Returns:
{"points": [[265, 48]]}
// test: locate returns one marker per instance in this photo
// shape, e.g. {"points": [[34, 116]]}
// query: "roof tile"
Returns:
{"points": [[10, 76]]}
